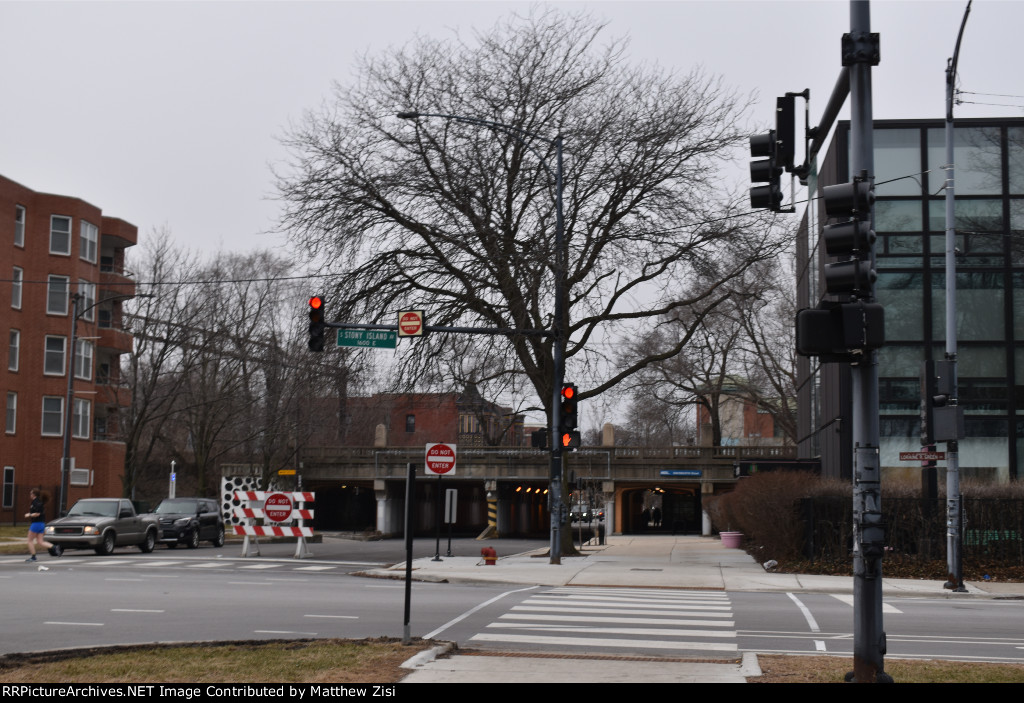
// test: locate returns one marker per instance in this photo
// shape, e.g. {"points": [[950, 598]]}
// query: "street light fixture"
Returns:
{"points": [[559, 323]]}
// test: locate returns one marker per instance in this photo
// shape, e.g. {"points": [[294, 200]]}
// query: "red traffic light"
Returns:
{"points": [[568, 391], [316, 302]]}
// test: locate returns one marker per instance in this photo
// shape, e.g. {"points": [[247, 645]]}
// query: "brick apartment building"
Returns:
{"points": [[61, 255]]}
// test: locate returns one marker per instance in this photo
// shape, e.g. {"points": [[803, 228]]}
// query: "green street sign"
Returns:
{"points": [[374, 339]]}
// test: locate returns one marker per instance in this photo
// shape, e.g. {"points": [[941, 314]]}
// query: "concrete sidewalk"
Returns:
{"points": [[638, 561]]}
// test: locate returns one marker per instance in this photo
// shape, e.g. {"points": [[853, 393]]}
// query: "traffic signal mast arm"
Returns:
{"points": [[439, 328]]}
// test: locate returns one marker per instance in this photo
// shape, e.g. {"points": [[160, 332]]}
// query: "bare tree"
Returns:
{"points": [[460, 219], [162, 322]]}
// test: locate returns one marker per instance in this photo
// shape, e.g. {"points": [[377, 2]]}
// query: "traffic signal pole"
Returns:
{"points": [[860, 52], [954, 509]]}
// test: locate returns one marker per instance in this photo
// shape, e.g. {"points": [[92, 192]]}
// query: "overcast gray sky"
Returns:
{"points": [[169, 113]]}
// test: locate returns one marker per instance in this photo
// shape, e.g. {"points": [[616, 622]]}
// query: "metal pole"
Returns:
{"points": [[558, 362], [439, 507], [869, 539], [65, 469], [954, 543], [410, 483]]}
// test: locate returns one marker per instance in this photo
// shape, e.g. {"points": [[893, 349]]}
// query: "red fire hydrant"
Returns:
{"points": [[490, 556]]}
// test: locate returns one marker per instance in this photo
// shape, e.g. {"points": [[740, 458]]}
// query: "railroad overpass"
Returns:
{"points": [[637, 488]]}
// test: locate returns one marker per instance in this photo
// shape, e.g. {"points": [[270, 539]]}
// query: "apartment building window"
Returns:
{"points": [[17, 278], [88, 242], [88, 302], [60, 235], [53, 416], [19, 226], [12, 350], [8, 499], [410, 423], [12, 412], [83, 359], [80, 419], [53, 357], [57, 295]]}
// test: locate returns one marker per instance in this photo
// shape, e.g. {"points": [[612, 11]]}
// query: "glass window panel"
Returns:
{"points": [[902, 294], [976, 159], [53, 415], [57, 295], [87, 304], [968, 216], [53, 359], [12, 412], [60, 234], [80, 419], [19, 226], [903, 244], [83, 359], [16, 283], [900, 359], [898, 216], [1016, 235], [897, 162], [88, 241], [979, 306], [1015, 156], [13, 350], [981, 362], [1018, 308], [1018, 392]]}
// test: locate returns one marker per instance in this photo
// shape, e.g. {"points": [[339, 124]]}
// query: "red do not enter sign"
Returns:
{"points": [[410, 323], [440, 459], [278, 507]]}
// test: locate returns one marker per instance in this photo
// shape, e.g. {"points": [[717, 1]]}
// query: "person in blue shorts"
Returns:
{"points": [[37, 522]]}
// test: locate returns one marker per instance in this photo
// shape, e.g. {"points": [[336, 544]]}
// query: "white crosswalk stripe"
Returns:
{"points": [[658, 622]]}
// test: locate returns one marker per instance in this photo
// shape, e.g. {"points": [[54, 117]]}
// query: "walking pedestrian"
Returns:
{"points": [[37, 522]]}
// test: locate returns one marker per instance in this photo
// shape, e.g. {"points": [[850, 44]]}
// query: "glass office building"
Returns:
{"points": [[910, 222]]}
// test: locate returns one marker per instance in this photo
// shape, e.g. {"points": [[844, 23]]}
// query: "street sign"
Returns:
{"points": [[410, 323], [374, 339], [440, 459], [278, 507], [922, 456]]}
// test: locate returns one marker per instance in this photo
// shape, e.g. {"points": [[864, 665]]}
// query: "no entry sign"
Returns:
{"points": [[410, 323], [278, 507], [440, 459]]}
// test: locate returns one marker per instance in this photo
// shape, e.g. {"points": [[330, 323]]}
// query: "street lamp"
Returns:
{"points": [[559, 323], [65, 459]]}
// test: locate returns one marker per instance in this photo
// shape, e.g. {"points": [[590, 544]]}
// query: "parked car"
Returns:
{"points": [[102, 524], [190, 521]]}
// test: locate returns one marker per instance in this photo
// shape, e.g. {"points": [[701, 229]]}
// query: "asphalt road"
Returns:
{"points": [[208, 594]]}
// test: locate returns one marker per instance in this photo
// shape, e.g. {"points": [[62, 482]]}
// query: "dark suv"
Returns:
{"points": [[190, 521]]}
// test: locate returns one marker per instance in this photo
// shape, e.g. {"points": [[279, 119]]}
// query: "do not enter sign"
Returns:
{"points": [[440, 459], [410, 323], [278, 507]]}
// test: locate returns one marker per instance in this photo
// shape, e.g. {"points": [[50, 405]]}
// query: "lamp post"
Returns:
{"points": [[65, 459], [559, 323]]}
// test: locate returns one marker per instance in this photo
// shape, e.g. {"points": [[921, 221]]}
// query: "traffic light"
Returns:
{"points": [[785, 130], [851, 238], [840, 332], [317, 326], [766, 170], [843, 331], [569, 418]]}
